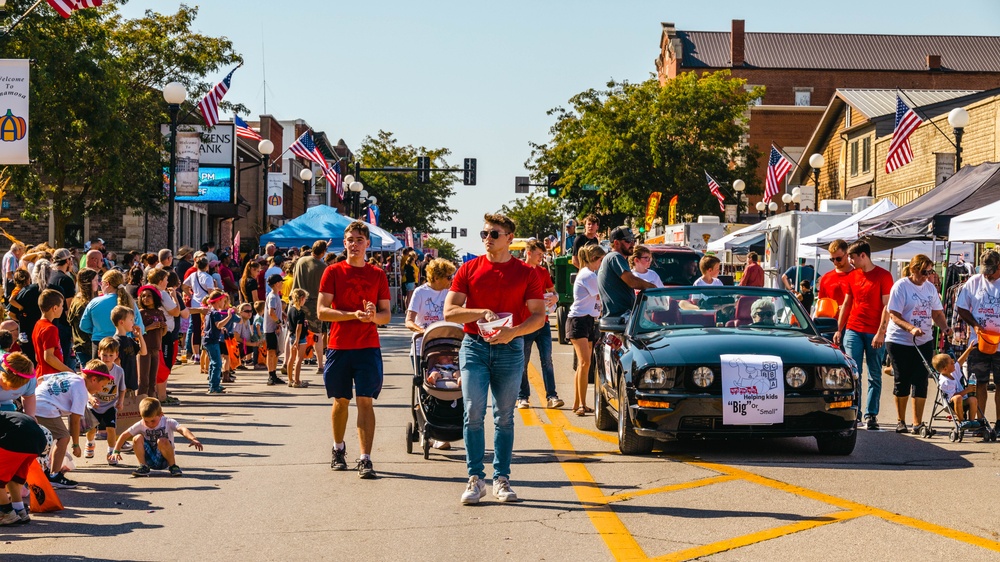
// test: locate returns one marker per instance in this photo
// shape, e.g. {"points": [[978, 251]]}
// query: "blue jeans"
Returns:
{"points": [[490, 367], [858, 347], [214, 365], [543, 339]]}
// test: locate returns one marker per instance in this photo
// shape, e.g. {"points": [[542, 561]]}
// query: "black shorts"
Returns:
{"points": [[271, 341], [982, 365], [102, 421], [357, 368], [908, 371], [582, 327]]}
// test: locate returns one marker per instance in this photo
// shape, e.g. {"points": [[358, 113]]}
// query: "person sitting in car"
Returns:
{"points": [[762, 312]]}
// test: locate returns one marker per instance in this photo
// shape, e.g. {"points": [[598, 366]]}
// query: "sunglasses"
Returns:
{"points": [[926, 272], [837, 259], [765, 314], [494, 234]]}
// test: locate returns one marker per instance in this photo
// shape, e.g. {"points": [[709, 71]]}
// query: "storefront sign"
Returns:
{"points": [[14, 111], [753, 390], [217, 146]]}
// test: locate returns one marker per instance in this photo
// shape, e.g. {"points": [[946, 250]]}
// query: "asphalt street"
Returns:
{"points": [[263, 490]]}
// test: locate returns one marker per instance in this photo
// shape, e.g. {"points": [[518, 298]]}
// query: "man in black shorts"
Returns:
{"points": [[354, 298]]}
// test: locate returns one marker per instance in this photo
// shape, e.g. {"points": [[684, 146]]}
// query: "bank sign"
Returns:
{"points": [[218, 144]]}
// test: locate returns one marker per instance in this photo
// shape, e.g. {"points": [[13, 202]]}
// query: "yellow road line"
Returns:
{"points": [[530, 417], [760, 536], [671, 488]]}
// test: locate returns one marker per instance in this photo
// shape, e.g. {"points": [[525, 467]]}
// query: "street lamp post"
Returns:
{"points": [[797, 197], [174, 94], [265, 147], [761, 206], [738, 187], [816, 161], [786, 199], [355, 187], [958, 118], [306, 175], [773, 207]]}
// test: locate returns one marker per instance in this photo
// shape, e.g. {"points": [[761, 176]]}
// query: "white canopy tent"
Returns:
{"points": [[846, 229], [741, 237], [980, 225]]}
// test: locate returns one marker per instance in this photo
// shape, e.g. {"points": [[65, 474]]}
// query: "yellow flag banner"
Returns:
{"points": [[672, 211], [651, 206]]}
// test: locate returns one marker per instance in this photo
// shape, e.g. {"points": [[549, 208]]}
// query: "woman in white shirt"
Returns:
{"points": [[581, 323], [641, 261]]}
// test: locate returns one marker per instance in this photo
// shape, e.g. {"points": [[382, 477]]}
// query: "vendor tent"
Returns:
{"points": [[321, 222], [743, 237], [980, 225], [929, 216], [846, 229], [389, 243]]}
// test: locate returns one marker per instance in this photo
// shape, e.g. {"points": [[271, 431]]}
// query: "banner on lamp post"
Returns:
{"points": [[14, 74], [275, 194], [188, 154], [652, 205]]}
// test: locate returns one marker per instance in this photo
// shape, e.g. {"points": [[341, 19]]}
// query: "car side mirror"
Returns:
{"points": [[826, 325], [614, 324]]}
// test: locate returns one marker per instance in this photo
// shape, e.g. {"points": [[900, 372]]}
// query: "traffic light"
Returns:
{"points": [[470, 172], [423, 169], [642, 229], [454, 232], [553, 189]]}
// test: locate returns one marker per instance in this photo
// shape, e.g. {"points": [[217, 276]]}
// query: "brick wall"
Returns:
{"points": [[784, 126]]}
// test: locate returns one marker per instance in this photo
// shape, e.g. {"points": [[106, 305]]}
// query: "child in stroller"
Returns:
{"points": [[955, 392]]}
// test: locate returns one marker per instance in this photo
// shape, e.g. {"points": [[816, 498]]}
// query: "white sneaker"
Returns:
{"points": [[12, 518], [474, 491], [502, 490], [523, 404]]}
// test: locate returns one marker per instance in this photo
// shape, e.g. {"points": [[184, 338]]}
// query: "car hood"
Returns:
{"points": [[704, 346]]}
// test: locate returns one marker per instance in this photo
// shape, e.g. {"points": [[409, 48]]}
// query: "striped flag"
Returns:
{"points": [[244, 130], [777, 168], [67, 7], [900, 153], [209, 105], [304, 147], [713, 186], [334, 181]]}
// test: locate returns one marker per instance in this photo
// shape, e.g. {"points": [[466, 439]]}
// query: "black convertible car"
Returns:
{"points": [[706, 362]]}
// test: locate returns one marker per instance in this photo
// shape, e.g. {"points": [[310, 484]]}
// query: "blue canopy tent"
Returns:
{"points": [[322, 222]]}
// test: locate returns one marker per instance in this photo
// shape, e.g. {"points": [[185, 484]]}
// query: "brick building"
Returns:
{"points": [[802, 71], [856, 129]]}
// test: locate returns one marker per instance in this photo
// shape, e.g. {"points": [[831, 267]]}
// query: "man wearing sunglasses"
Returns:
{"points": [[863, 321], [615, 280], [482, 288], [977, 305], [835, 284]]}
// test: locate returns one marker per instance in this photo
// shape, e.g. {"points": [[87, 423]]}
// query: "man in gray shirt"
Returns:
{"points": [[615, 279]]}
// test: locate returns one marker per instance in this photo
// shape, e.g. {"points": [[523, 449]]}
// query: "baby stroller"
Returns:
{"points": [[944, 410], [436, 397]]}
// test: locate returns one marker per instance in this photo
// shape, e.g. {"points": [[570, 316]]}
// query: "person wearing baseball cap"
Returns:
{"points": [[615, 280], [976, 304]]}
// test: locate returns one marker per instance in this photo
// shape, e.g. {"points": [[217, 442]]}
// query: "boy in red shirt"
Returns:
{"points": [[45, 336], [354, 298], [865, 317]]}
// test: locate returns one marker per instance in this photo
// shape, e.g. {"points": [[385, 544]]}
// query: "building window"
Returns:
{"points": [[750, 87], [866, 155], [847, 117], [854, 158], [803, 96]]}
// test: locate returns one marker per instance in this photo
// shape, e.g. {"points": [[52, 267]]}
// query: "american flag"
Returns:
{"points": [[67, 7], [713, 186], [334, 181], [777, 168], [244, 130], [209, 105], [900, 153], [304, 147]]}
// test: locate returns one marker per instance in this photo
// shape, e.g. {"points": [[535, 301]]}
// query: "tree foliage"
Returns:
{"points": [[96, 105], [535, 215], [633, 139], [445, 249], [402, 201]]}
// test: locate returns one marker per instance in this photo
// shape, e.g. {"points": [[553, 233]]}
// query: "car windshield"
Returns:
{"points": [[676, 268], [676, 308]]}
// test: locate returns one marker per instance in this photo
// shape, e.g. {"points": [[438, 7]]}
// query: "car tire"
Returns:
{"points": [[838, 443], [602, 416], [562, 313], [629, 443]]}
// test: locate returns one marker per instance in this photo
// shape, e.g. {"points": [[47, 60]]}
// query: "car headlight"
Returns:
{"points": [[836, 377], [795, 377], [657, 377], [703, 377]]}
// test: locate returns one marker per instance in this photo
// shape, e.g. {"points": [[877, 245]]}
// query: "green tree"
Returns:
{"points": [[96, 105], [535, 215], [445, 249], [633, 139], [402, 201]]}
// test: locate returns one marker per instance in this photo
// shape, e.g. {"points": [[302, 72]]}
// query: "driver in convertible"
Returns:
{"points": [[762, 312]]}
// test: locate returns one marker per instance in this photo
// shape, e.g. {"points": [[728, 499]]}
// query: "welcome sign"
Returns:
{"points": [[14, 86], [753, 390]]}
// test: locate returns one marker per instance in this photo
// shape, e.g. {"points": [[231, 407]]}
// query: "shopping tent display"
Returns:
{"points": [[742, 238], [389, 243], [981, 225], [928, 217], [321, 222], [844, 230]]}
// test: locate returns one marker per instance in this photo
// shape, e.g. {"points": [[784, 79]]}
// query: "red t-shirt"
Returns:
{"points": [[834, 285], [867, 290], [44, 336], [261, 285], [500, 287], [350, 287]]}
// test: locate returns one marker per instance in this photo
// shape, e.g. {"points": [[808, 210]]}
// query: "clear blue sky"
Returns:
{"points": [[478, 77]]}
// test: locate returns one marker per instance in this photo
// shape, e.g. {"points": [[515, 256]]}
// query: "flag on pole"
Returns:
{"points": [[777, 168], [900, 153], [335, 183], [304, 147], [209, 105], [244, 130], [236, 247], [67, 7], [713, 186]]}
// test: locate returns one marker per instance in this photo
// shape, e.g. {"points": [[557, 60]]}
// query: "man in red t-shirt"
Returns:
{"points": [[45, 335], [354, 298], [483, 289], [865, 317], [753, 273], [836, 284], [542, 337]]}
